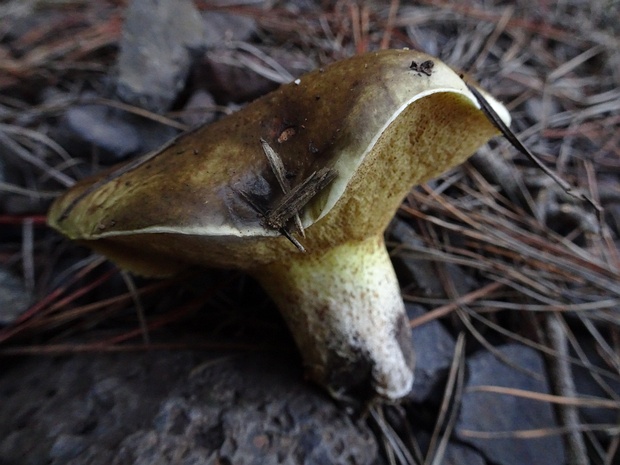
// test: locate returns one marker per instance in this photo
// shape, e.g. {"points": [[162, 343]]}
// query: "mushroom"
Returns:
{"points": [[296, 189]]}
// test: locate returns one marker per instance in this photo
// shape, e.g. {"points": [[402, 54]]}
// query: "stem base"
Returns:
{"points": [[347, 316]]}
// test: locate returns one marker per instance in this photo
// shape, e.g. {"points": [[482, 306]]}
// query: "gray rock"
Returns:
{"points": [[67, 447], [459, 454], [199, 109], [14, 298], [104, 128], [49, 404], [249, 416], [454, 453], [496, 413], [434, 350], [113, 134], [172, 408], [150, 448], [587, 385], [156, 51], [422, 273], [221, 26]]}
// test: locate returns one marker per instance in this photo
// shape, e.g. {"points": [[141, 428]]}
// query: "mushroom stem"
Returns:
{"points": [[346, 313]]}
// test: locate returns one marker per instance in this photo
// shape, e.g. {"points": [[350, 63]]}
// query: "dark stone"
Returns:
{"points": [[67, 447], [97, 399], [253, 414], [434, 350], [459, 454], [454, 453], [600, 387], [164, 408], [497, 413], [14, 298], [156, 51], [419, 273]]}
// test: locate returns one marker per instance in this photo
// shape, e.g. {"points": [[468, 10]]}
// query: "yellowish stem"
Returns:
{"points": [[346, 313]]}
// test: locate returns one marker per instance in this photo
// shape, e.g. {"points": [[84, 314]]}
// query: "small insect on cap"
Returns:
{"points": [[297, 188]]}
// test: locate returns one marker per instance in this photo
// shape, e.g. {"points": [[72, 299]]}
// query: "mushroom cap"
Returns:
{"points": [[382, 124]]}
